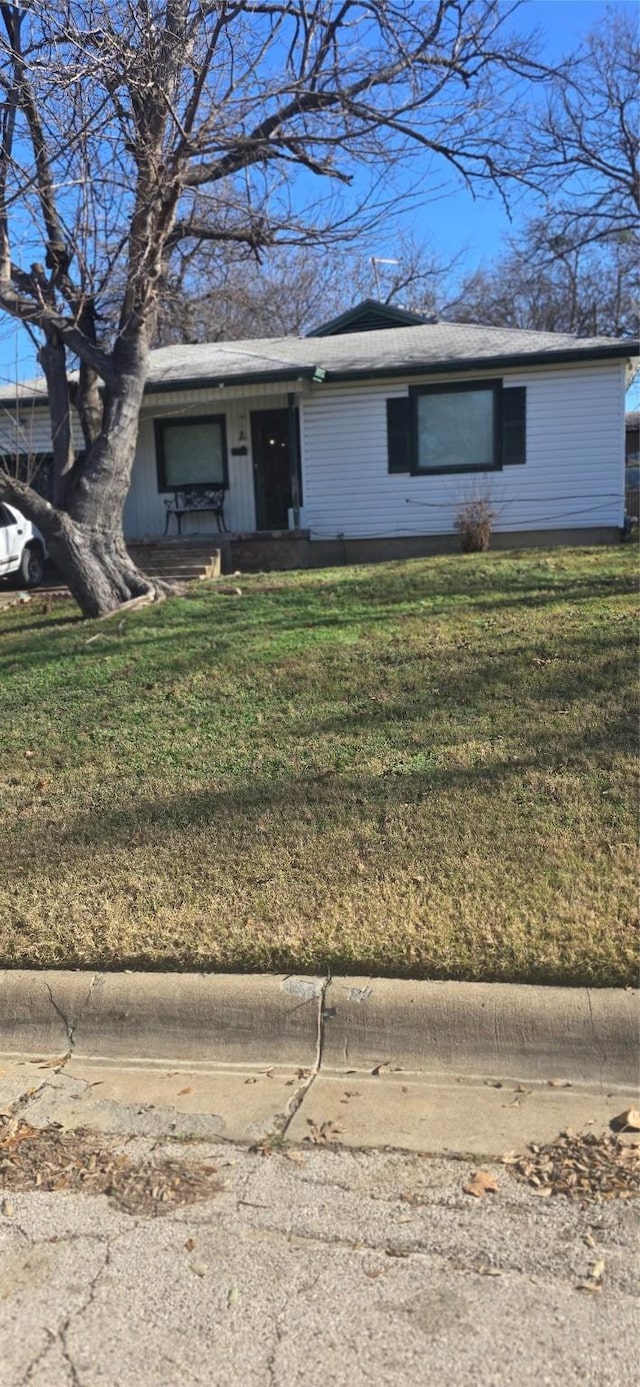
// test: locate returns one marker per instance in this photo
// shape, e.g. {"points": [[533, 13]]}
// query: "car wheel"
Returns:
{"points": [[32, 566]]}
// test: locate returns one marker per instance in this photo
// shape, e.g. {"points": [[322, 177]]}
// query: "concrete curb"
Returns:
{"points": [[576, 1034]]}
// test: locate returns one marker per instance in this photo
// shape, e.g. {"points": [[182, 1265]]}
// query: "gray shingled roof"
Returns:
{"points": [[444, 345], [428, 347]]}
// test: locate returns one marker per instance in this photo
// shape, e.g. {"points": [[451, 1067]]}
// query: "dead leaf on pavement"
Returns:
{"points": [[323, 1135], [520, 1094], [593, 1281], [182, 1091], [628, 1120], [584, 1166], [483, 1182], [49, 1158], [190, 1244], [296, 1157]]}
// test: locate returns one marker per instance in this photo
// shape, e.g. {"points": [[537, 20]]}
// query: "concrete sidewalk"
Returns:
{"points": [[420, 1066]]}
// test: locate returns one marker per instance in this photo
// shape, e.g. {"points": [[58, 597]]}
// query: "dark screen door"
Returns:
{"points": [[271, 468]]}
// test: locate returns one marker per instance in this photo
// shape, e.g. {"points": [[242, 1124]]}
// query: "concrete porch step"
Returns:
{"points": [[177, 560]]}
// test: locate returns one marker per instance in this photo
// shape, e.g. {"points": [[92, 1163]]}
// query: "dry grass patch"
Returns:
{"points": [[419, 768]]}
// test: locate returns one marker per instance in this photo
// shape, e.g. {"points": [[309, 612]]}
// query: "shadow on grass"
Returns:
{"points": [[330, 796], [359, 605]]}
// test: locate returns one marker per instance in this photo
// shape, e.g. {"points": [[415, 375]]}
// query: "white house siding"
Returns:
{"points": [[572, 478], [28, 432], [145, 512]]}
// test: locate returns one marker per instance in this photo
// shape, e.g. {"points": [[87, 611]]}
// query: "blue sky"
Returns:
{"points": [[477, 227], [454, 224]]}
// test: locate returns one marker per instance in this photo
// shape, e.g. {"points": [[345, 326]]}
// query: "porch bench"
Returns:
{"points": [[189, 502]]}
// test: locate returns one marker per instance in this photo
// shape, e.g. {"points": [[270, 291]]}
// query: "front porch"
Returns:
{"points": [[187, 559], [214, 461]]}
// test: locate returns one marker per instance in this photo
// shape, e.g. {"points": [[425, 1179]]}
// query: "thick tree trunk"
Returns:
{"points": [[84, 531], [95, 564]]}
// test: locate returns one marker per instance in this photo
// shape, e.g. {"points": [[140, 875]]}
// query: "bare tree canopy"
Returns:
{"points": [[586, 146], [135, 126], [548, 285], [289, 290]]}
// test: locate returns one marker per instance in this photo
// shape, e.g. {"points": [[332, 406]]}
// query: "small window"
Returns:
{"points": [[457, 428], [6, 517], [191, 453]]}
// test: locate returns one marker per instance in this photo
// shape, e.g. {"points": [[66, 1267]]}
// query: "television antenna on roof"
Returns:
{"points": [[380, 260]]}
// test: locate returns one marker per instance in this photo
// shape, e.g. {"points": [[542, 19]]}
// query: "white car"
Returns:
{"points": [[22, 548]]}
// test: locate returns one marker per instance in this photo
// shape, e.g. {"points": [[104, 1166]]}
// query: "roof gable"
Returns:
{"points": [[368, 316]]}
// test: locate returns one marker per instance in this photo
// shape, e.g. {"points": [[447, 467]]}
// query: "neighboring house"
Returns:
{"points": [[370, 434]]}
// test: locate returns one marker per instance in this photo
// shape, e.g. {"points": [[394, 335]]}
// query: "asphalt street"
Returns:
{"points": [[317, 1265]]}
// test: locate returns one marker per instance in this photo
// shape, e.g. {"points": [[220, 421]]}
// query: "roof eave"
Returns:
{"points": [[619, 352], [221, 382]]}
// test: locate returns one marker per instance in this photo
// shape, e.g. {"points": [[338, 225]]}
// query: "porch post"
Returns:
{"points": [[294, 459]]}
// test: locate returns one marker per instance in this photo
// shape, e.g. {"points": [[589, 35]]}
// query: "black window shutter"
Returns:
{"points": [[398, 435], [514, 426]]}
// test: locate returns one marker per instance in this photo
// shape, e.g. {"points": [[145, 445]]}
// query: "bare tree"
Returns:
{"points": [[546, 283], [129, 127], [288, 290], [586, 145]]}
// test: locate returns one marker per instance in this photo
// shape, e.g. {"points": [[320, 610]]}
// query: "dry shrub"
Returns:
{"points": [[474, 523]]}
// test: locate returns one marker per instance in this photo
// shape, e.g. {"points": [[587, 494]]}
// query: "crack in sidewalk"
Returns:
{"points": [[298, 1098], [68, 1023]]}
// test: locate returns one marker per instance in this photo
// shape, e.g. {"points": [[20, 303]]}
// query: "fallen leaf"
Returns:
{"points": [[233, 1296], [29, 755], [521, 1093], [321, 1136], [181, 1091], [630, 1119], [296, 1157], [251, 1080], [482, 1183], [190, 1244], [199, 1268], [596, 1272]]}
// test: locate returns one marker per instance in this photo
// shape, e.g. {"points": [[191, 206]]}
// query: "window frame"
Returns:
{"points": [[493, 386], [159, 424]]}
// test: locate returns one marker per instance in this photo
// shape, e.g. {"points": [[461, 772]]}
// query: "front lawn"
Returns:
{"points": [[420, 768]]}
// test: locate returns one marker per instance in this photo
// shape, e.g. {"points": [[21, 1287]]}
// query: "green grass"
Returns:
{"points": [[419, 768]]}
